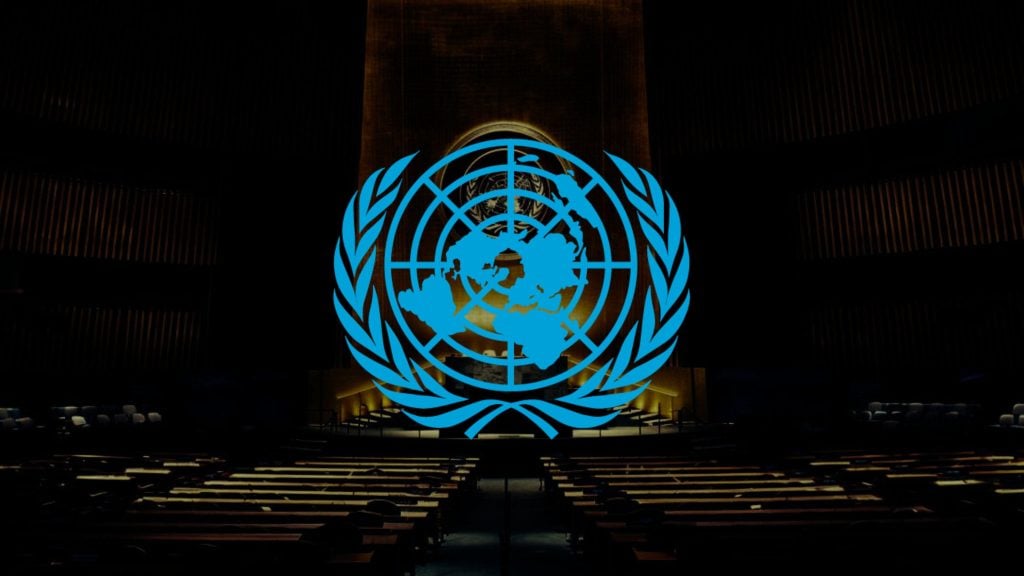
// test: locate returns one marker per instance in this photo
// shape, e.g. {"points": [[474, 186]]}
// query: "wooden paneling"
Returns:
{"points": [[971, 206], [95, 338], [49, 215], [796, 71]]}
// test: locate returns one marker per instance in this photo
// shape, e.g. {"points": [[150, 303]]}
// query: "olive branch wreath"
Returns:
{"points": [[378, 350]]}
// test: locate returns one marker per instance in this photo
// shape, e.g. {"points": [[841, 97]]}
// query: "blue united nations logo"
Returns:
{"points": [[511, 268]]}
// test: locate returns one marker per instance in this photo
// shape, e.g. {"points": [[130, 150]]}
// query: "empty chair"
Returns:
{"points": [[129, 409], [432, 479], [3, 413], [915, 407], [341, 534], [138, 418], [934, 411], [1006, 420], [89, 412], [25, 423], [1020, 420], [366, 519], [121, 419], [70, 411], [875, 406], [8, 424], [383, 507], [1018, 409], [620, 506], [103, 420], [78, 421], [879, 415], [155, 417]]}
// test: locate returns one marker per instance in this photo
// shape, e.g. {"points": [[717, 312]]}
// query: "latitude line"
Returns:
{"points": [[560, 214]]}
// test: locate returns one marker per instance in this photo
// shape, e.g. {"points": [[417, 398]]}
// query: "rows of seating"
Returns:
{"points": [[372, 515], [663, 514], [84, 417], [69, 419], [918, 413], [1014, 419], [12, 419]]}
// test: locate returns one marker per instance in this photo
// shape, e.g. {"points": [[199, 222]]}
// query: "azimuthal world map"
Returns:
{"points": [[542, 222]]}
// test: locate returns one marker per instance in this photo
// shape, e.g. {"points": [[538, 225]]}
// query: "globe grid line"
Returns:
{"points": [[646, 347], [442, 196]]}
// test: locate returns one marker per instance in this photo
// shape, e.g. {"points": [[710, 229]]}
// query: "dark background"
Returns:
{"points": [[850, 174]]}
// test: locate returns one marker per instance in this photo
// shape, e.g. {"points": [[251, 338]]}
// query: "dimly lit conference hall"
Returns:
{"points": [[511, 287]]}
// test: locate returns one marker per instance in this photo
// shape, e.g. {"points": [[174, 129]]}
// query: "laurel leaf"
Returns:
{"points": [[541, 423], [363, 283], [398, 357], [380, 371], [365, 195], [454, 417], [484, 420], [640, 204], [341, 277], [670, 326], [589, 386], [348, 229], [630, 174], [654, 241], [680, 278], [606, 401], [647, 327], [376, 328], [568, 417], [416, 401], [366, 241], [657, 198], [391, 176], [682, 275], [433, 386], [352, 328], [675, 231], [625, 356], [658, 280], [641, 372]]}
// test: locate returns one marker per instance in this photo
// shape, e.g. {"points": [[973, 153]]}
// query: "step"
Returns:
{"points": [[658, 422]]}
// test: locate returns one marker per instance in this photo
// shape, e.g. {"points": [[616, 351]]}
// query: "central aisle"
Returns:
{"points": [[538, 545]]}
